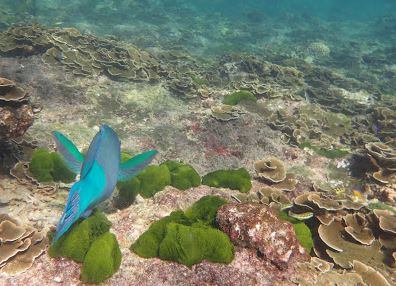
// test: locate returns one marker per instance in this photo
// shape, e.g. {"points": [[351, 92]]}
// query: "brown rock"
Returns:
{"points": [[14, 121], [256, 226]]}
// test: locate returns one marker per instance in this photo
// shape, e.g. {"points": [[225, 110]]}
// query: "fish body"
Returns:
{"points": [[100, 170]]}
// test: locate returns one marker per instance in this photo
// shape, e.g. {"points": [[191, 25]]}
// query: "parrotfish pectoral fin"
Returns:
{"points": [[71, 213], [69, 151], [134, 165]]}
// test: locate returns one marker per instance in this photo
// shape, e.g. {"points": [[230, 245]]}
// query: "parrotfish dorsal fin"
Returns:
{"points": [[72, 157], [134, 165]]}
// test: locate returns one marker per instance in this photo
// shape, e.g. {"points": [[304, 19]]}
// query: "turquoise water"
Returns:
{"points": [[253, 101], [213, 27]]}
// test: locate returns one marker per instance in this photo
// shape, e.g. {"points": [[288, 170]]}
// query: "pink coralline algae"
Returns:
{"points": [[256, 226]]}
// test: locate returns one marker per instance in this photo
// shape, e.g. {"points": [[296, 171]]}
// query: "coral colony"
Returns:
{"points": [[214, 142]]}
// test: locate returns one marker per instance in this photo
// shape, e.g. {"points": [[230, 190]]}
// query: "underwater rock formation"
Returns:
{"points": [[84, 55], [16, 115], [257, 227]]}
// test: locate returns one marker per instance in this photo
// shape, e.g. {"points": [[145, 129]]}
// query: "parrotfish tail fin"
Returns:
{"points": [[69, 152], [71, 213], [134, 165]]}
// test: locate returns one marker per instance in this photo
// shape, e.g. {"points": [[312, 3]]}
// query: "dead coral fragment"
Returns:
{"points": [[271, 169], [19, 246]]}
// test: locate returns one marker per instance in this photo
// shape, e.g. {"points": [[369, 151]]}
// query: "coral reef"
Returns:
{"points": [[19, 246], [346, 231], [270, 169], [83, 54], [326, 93], [382, 157]]}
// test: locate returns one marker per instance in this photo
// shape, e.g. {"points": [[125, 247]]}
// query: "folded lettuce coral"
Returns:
{"points": [[187, 238]]}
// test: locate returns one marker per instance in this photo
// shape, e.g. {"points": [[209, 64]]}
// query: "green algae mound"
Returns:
{"points": [[153, 179], [187, 238], [90, 242], [237, 97], [103, 259], [205, 210], [183, 176], [232, 179], [76, 242], [147, 245], [190, 245], [48, 167]]}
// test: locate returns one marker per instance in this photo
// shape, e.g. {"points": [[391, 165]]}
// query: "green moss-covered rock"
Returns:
{"points": [[76, 242], [41, 165], [102, 260], [60, 172], [47, 167], [153, 179], [127, 192], [232, 179], [190, 245], [237, 97], [188, 237], [205, 209], [147, 245], [183, 176]]}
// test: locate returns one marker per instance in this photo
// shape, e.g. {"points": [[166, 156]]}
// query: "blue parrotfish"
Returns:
{"points": [[99, 170]]}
